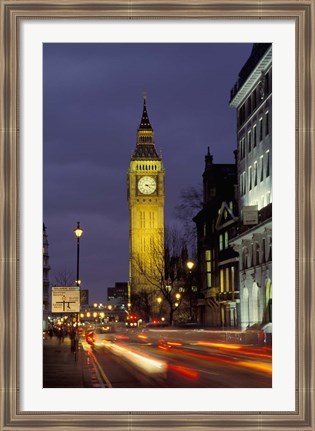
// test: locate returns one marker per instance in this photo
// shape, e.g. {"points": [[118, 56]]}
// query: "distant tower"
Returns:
{"points": [[146, 209]]}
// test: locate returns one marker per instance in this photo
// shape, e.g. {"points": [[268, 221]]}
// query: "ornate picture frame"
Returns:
{"points": [[12, 14]]}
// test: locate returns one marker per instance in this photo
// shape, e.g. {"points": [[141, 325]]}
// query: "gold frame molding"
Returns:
{"points": [[12, 12]]}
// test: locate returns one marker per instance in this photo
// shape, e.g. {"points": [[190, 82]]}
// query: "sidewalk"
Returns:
{"points": [[60, 370]]}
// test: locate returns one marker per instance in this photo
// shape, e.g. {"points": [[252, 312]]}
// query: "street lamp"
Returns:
{"points": [[190, 264], [78, 231], [159, 301]]}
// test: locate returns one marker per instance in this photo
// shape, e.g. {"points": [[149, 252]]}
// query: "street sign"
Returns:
{"points": [[250, 215], [65, 300]]}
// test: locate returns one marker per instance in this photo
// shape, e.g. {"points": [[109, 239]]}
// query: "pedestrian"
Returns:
{"points": [[73, 340]]}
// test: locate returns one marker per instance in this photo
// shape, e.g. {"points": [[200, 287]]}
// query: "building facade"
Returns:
{"points": [[145, 184], [218, 303], [118, 295], [252, 236]]}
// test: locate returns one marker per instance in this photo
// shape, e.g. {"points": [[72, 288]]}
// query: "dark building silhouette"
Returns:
{"points": [[46, 269], [218, 303]]}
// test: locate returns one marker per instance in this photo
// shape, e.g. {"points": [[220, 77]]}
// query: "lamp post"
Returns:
{"points": [[78, 231], [190, 265]]}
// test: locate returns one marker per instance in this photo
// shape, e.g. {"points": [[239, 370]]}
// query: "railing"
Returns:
{"points": [[228, 296]]}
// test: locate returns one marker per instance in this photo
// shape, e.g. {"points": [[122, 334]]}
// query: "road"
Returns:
{"points": [[170, 358]]}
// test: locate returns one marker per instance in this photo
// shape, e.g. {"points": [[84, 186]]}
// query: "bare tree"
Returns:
{"points": [[191, 202], [142, 303], [164, 270], [64, 278]]}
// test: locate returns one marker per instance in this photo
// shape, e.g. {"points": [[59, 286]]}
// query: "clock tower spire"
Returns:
{"points": [[145, 184]]}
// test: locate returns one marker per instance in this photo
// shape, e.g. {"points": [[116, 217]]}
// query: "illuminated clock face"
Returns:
{"points": [[147, 185]]}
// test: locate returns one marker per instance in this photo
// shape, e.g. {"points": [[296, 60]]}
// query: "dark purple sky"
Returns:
{"points": [[93, 100]]}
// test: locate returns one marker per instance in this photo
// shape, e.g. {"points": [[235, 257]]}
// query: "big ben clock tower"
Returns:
{"points": [[146, 210]]}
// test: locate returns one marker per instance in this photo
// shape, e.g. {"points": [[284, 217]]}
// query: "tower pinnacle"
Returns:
{"points": [[145, 122]]}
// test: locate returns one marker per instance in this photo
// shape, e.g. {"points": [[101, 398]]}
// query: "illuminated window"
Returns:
{"points": [[221, 280], [232, 278], [208, 268], [227, 279], [221, 245], [226, 239]]}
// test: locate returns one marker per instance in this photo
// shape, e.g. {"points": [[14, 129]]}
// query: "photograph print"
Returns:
{"points": [[157, 217]]}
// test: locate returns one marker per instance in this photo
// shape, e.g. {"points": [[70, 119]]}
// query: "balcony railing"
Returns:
{"points": [[228, 296]]}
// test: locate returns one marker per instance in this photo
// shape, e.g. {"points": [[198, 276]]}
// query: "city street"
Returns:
{"points": [[171, 358]]}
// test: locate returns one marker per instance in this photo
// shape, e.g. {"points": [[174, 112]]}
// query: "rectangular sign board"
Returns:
{"points": [[65, 300], [250, 215]]}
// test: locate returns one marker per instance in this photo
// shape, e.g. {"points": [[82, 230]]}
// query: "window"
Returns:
{"points": [[267, 123], [249, 105], [208, 268], [221, 280], [250, 178], [261, 168], [260, 129], [254, 136], [244, 184], [256, 254], [263, 255], [242, 114], [227, 279], [255, 174], [242, 148], [221, 245], [267, 164], [254, 99], [267, 83], [249, 138], [226, 239], [233, 278]]}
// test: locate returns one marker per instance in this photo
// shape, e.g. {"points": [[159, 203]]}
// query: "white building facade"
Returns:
{"points": [[252, 239]]}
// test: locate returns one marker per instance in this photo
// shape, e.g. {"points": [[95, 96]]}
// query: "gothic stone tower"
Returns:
{"points": [[146, 210]]}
